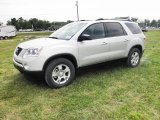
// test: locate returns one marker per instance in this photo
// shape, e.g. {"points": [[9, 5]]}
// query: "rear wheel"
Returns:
{"points": [[21, 71], [1, 38], [134, 57], [5, 37], [59, 73]]}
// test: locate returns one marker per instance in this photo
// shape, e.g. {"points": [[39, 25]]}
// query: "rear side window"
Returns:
{"points": [[133, 28], [114, 29], [96, 31]]}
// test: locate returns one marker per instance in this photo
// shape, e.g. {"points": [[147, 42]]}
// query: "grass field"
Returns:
{"points": [[110, 91]]}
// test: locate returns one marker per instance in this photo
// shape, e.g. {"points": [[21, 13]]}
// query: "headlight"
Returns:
{"points": [[32, 52]]}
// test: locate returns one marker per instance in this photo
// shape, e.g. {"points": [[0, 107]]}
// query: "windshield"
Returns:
{"points": [[67, 31]]}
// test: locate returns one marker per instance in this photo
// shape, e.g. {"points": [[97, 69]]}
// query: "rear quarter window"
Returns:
{"points": [[134, 28]]}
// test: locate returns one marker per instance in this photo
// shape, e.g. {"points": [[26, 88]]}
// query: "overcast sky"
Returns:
{"points": [[63, 10]]}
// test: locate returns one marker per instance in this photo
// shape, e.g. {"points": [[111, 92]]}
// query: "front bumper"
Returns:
{"points": [[18, 66], [21, 68], [30, 64]]}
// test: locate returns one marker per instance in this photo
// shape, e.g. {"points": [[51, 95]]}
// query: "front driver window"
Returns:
{"points": [[96, 31]]}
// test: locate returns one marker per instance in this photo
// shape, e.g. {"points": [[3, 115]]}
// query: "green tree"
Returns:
{"points": [[153, 23], [134, 19], [21, 23], [34, 23], [147, 22], [158, 23], [14, 22]]}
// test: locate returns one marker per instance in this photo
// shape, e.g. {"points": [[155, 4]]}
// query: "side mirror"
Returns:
{"points": [[84, 37]]}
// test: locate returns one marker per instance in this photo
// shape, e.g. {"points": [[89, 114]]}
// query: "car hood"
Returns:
{"points": [[41, 42]]}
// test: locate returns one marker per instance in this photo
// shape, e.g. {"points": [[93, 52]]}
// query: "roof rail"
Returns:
{"points": [[84, 20], [123, 18], [101, 19], [117, 18]]}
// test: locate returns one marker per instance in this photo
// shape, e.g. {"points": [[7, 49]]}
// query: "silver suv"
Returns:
{"points": [[80, 44]]}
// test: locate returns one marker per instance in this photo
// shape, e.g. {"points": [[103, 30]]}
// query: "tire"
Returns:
{"points": [[20, 71], [5, 37], [59, 73], [132, 60], [1, 38]]}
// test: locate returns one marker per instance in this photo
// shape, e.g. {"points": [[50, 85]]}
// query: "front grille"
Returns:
{"points": [[18, 50]]}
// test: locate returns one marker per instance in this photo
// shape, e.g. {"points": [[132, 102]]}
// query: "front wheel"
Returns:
{"points": [[134, 57], [1, 38], [59, 73]]}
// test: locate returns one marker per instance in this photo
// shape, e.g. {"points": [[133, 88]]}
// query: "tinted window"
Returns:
{"points": [[133, 28], [96, 31], [114, 29]]}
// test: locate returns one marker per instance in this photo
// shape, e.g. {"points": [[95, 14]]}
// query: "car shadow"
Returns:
{"points": [[101, 67], [35, 78]]}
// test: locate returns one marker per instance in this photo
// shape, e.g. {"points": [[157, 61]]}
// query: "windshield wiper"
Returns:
{"points": [[54, 37]]}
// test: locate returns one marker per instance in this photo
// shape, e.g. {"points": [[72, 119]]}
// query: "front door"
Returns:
{"points": [[94, 50]]}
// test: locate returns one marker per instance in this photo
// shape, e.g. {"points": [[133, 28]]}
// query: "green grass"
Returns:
{"points": [[104, 92]]}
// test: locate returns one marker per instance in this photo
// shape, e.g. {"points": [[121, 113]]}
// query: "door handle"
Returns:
{"points": [[126, 40], [104, 43]]}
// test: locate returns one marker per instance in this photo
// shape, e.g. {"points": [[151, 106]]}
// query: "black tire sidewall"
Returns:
{"points": [[129, 57], [5, 37], [52, 65]]}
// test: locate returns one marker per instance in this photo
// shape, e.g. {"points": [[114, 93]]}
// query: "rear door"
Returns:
{"points": [[117, 39]]}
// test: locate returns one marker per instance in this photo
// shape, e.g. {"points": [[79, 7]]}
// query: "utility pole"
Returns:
{"points": [[77, 11]]}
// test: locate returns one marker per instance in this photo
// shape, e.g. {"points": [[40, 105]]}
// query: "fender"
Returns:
{"points": [[70, 57]]}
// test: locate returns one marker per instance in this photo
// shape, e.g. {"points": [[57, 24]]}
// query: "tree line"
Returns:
{"points": [[147, 23], [153, 23], [35, 24]]}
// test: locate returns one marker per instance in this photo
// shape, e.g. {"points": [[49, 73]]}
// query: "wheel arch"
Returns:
{"points": [[65, 55], [138, 46]]}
